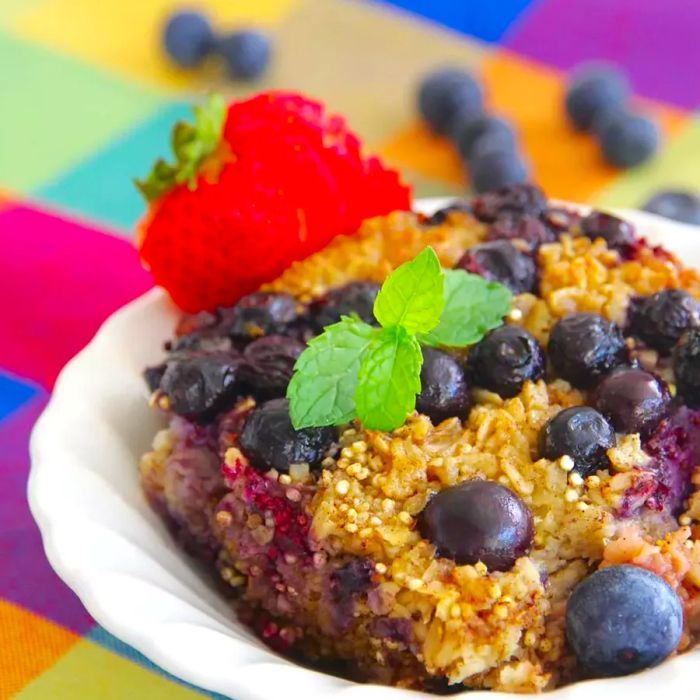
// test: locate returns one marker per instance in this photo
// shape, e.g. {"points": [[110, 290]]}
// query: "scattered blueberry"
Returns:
{"points": [[581, 433], [497, 169], [686, 367], [269, 365], [661, 319], [354, 298], [677, 205], [585, 346], [270, 442], [478, 520], [505, 359], [501, 261], [594, 88], [188, 38], [511, 200], [468, 134], [622, 619], [633, 400], [445, 392], [628, 140], [448, 96], [526, 228], [617, 233], [441, 215], [246, 53], [199, 386], [489, 144], [260, 313]]}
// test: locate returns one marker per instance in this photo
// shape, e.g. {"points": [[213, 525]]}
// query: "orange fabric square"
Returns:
{"points": [[567, 164], [29, 645]]}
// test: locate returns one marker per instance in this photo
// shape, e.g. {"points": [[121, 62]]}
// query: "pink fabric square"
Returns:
{"points": [[59, 280]]}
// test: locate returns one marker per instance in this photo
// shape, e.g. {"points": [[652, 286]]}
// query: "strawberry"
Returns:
{"points": [[255, 186]]}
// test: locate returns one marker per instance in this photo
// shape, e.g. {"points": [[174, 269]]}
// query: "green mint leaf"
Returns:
{"points": [[324, 382], [412, 296], [191, 144], [473, 306], [389, 379]]}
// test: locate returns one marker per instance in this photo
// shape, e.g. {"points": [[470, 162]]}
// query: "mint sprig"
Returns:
{"points": [[354, 370], [191, 144]]}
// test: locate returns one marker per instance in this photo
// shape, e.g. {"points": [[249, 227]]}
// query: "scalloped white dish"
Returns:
{"points": [[104, 541]]}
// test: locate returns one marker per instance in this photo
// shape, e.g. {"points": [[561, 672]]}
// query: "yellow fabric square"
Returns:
{"points": [[566, 163], [88, 671], [29, 645], [125, 35], [364, 60]]}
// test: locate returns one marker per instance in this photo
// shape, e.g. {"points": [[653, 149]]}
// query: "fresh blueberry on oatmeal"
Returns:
{"points": [[585, 346]]}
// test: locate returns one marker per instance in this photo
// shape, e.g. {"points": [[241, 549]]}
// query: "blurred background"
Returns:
{"points": [[89, 94]]}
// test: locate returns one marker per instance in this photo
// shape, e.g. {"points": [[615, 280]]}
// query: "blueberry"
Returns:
{"points": [[585, 346], [633, 400], [526, 228], [153, 376], [442, 215], [269, 364], [354, 298], [445, 392], [478, 521], [505, 359], [270, 442], [206, 340], [501, 261], [628, 140], [560, 220], [468, 134], [448, 96], [593, 89], [617, 233], [581, 433], [675, 204], [188, 38], [686, 367], [246, 53], [497, 169], [491, 143], [199, 386], [623, 619], [512, 200], [661, 319], [351, 578], [260, 313]]}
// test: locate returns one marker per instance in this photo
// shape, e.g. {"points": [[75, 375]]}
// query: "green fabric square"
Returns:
{"points": [[56, 110], [101, 186]]}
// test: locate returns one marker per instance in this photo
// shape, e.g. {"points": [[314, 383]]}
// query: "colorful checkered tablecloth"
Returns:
{"points": [[86, 102]]}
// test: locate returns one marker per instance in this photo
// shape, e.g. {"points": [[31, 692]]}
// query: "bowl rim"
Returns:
{"points": [[260, 674]]}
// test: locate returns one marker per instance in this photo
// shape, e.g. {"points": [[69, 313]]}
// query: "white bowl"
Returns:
{"points": [[111, 549]]}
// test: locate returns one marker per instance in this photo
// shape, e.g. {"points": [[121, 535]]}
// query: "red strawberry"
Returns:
{"points": [[256, 185]]}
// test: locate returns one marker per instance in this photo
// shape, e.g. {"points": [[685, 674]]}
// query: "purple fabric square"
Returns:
{"points": [[25, 575], [655, 41]]}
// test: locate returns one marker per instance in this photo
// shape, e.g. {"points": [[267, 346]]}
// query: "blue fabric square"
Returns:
{"points": [[485, 20], [101, 636], [101, 187], [13, 393]]}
